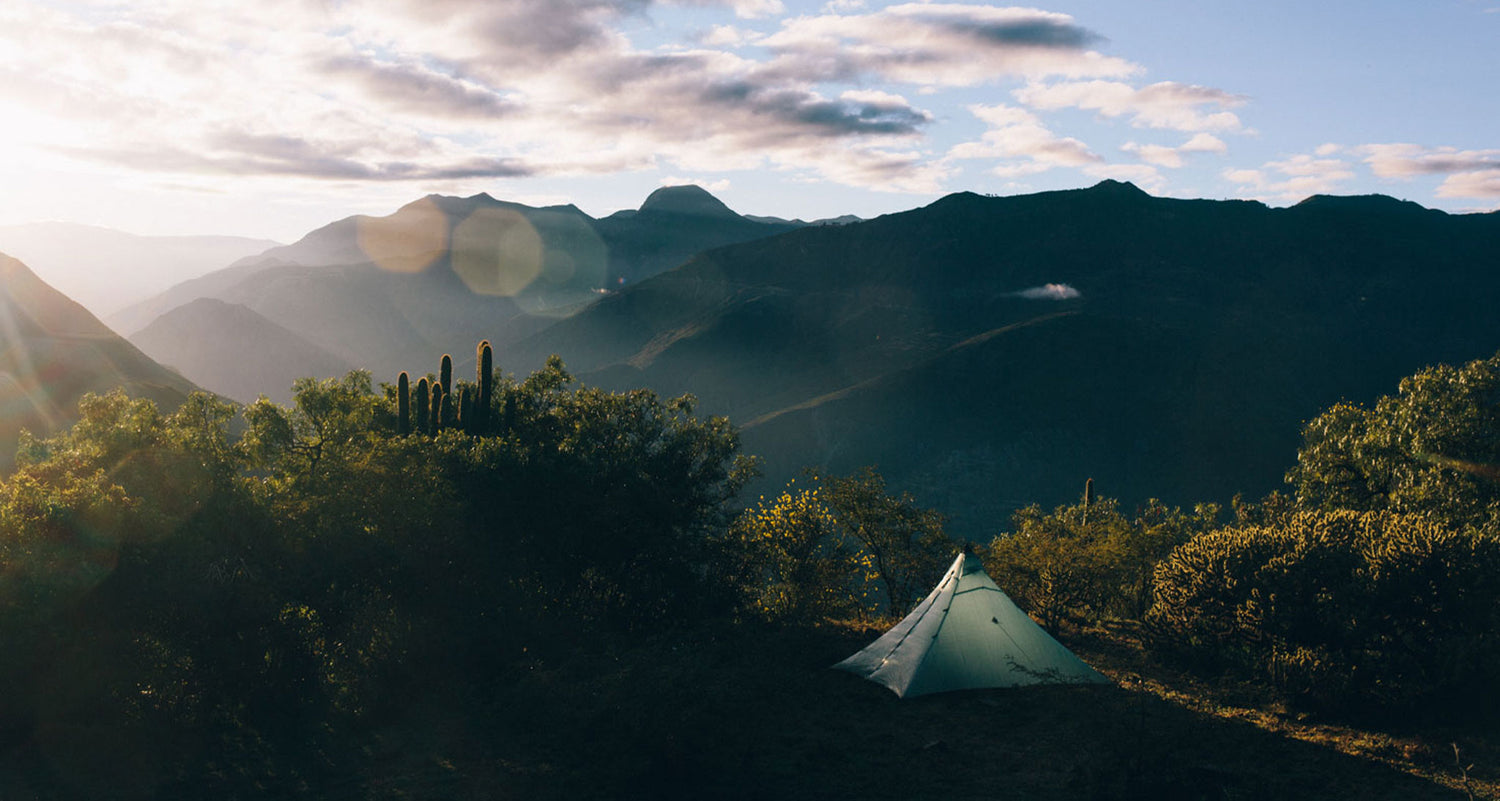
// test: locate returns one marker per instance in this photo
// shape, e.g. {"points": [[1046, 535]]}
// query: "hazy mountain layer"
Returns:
{"points": [[52, 350], [244, 353], [107, 270], [392, 293], [990, 352]]}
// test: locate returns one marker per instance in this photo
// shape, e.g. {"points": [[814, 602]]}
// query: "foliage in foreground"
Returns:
{"points": [[837, 546], [1341, 608], [235, 601], [1432, 449], [1089, 561]]}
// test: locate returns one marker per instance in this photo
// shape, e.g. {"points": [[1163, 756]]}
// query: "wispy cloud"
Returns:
{"points": [[1173, 157], [1022, 144], [939, 44], [406, 90], [1176, 106], [1484, 184], [1470, 173], [719, 185], [413, 87], [1292, 179], [1403, 160]]}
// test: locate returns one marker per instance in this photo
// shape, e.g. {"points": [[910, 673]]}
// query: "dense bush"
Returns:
{"points": [[838, 546], [1340, 608], [1432, 449], [1088, 560], [795, 563], [211, 599]]}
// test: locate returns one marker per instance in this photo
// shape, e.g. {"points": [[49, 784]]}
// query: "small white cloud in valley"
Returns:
{"points": [[1049, 292]]}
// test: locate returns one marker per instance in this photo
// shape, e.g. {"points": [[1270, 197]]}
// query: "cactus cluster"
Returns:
{"points": [[438, 407]]}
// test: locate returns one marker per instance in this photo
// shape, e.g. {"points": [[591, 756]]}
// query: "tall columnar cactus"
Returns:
{"points": [[485, 359], [403, 405], [465, 407], [445, 374], [424, 400], [449, 416], [436, 423]]}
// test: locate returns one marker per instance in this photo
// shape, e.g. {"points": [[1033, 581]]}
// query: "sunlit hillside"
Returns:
{"points": [[54, 351]]}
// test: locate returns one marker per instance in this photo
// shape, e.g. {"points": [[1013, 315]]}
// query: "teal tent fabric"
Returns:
{"points": [[967, 634]]}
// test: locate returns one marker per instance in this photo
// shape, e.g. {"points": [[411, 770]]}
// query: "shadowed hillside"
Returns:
{"points": [[1177, 353]]}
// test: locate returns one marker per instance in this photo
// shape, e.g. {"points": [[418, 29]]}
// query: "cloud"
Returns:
{"points": [[1291, 180], [1467, 173], [1049, 292], [502, 34], [1470, 173], [1175, 106], [1477, 184], [938, 44], [413, 87], [1160, 155], [431, 90], [1402, 160], [293, 157], [805, 112], [1172, 157], [1025, 146], [744, 9], [726, 36], [720, 185], [756, 9], [1204, 143]]}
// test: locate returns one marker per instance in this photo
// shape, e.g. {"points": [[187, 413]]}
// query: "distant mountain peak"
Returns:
{"points": [[1115, 188], [687, 199], [1365, 204]]}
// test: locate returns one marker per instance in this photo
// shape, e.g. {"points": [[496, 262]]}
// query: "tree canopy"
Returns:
{"points": [[1432, 449]]}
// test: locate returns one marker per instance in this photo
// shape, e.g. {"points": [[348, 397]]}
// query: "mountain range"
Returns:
{"points": [[990, 352], [438, 275], [106, 270], [53, 351], [982, 352]]}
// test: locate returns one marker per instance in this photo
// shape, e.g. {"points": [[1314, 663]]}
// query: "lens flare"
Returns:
{"points": [[497, 251], [408, 241]]}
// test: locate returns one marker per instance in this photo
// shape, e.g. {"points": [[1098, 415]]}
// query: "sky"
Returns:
{"points": [[273, 117]]}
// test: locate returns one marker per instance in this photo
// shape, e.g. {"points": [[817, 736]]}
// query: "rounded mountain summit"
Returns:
{"points": [[687, 200]]}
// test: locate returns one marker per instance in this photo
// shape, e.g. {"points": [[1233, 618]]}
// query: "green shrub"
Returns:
{"points": [[1341, 608], [837, 546], [1088, 560], [1431, 449], [794, 561]]}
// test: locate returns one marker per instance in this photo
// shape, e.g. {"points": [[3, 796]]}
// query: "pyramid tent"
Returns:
{"points": [[965, 635]]}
